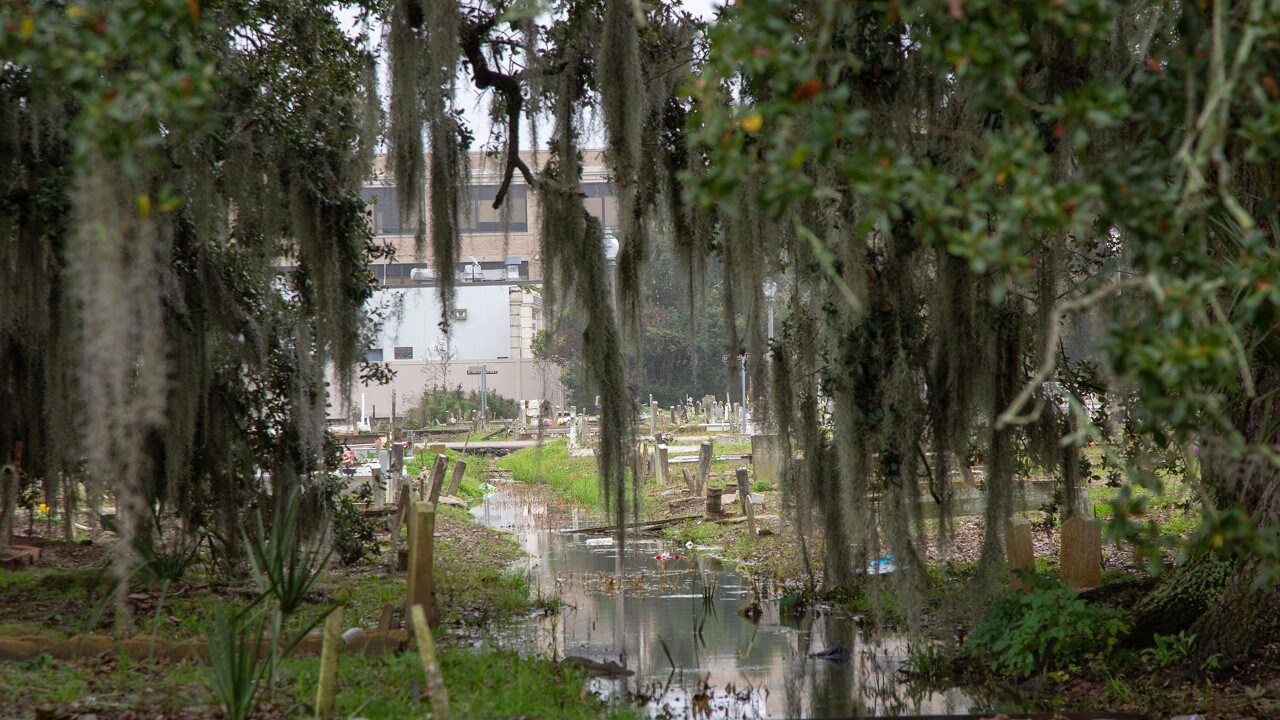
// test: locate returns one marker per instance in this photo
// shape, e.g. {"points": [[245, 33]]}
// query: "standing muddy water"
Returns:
{"points": [[674, 624]]}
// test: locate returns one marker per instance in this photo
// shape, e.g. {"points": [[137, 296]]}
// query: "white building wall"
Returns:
{"points": [[501, 321], [413, 321]]}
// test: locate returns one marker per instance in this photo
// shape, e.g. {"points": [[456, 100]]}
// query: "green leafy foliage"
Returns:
{"points": [[1169, 650], [437, 404], [1043, 629], [354, 536]]}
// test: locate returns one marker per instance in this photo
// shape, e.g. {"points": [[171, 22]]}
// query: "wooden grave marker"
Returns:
{"points": [[421, 586]]}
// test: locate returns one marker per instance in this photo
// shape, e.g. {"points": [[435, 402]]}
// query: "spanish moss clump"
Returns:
{"points": [[406, 152], [116, 261], [624, 104], [449, 173], [575, 266]]}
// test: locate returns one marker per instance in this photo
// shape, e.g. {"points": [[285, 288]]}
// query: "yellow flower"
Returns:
{"points": [[752, 123], [44, 509]]}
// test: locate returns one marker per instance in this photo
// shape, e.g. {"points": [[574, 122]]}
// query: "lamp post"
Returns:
{"points": [[610, 246], [770, 292]]}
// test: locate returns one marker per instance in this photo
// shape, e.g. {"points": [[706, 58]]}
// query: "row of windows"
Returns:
{"points": [[479, 215], [385, 272], [400, 353]]}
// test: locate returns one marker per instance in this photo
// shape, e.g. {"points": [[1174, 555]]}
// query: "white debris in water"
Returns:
{"points": [[594, 542]]}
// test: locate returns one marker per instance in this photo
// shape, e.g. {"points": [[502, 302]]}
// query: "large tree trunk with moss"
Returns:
{"points": [[1241, 621], [1180, 599], [1242, 477]]}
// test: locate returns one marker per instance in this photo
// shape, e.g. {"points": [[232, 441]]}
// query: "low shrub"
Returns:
{"points": [[1046, 628]]}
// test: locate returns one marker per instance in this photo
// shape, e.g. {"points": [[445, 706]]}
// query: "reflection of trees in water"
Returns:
{"points": [[834, 684], [699, 628]]}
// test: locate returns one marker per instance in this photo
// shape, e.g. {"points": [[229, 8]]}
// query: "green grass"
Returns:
{"points": [[575, 478], [488, 684], [169, 689], [1176, 508], [698, 533]]}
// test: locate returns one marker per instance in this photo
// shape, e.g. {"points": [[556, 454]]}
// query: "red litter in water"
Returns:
{"points": [[664, 556]]}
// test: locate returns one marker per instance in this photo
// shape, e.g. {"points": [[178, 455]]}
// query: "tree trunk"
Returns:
{"points": [[1182, 596], [1243, 619]]}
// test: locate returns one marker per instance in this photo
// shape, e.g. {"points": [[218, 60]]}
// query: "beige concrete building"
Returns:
{"points": [[493, 240], [498, 303]]}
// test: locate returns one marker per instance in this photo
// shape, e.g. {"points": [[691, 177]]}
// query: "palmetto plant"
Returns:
{"points": [[284, 565], [285, 568], [237, 666]]}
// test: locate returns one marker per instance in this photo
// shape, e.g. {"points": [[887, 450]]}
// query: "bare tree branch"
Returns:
{"points": [[509, 85]]}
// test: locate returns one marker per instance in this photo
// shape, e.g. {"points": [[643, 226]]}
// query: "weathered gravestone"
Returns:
{"points": [[1019, 551], [714, 508], [766, 458], [1080, 557], [664, 469], [455, 482], [704, 465]]}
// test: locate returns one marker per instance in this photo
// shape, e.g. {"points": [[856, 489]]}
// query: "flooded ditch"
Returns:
{"points": [[669, 615]]}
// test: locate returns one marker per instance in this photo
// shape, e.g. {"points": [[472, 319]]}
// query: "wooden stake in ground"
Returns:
{"points": [[329, 651], [1019, 551], [1080, 557], [8, 503], [455, 482], [704, 466], [430, 665], [744, 497], [437, 477], [421, 586], [397, 520]]}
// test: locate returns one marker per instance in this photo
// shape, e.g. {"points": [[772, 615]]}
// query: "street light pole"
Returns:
{"points": [[610, 245], [770, 292]]}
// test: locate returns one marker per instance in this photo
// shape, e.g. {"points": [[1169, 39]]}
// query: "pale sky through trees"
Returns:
{"points": [[474, 104]]}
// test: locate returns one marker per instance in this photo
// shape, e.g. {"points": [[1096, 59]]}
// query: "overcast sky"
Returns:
{"points": [[474, 104]]}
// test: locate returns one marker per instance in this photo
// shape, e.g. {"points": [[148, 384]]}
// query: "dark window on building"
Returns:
{"points": [[374, 355], [404, 353], [385, 207], [481, 217], [398, 273], [601, 202]]}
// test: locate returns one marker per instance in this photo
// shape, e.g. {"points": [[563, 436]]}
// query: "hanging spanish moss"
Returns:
{"points": [[575, 266], [116, 262], [625, 108], [406, 152]]}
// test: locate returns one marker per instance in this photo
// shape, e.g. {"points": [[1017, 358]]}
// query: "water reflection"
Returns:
{"points": [[675, 624]]}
